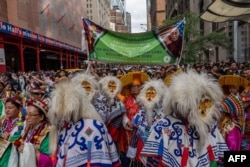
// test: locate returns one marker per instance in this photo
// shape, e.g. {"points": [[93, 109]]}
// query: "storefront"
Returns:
{"points": [[23, 50]]}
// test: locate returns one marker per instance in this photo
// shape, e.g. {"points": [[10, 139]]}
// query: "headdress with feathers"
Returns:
{"points": [[68, 105], [196, 98]]}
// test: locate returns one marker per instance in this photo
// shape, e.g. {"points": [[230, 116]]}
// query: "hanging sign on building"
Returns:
{"points": [[155, 47]]}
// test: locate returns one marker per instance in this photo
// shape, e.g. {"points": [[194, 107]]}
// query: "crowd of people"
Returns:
{"points": [[128, 116]]}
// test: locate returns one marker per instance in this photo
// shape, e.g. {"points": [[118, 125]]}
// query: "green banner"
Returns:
{"points": [[127, 48]]}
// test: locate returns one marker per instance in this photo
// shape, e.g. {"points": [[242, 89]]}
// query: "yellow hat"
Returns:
{"points": [[134, 78], [227, 81]]}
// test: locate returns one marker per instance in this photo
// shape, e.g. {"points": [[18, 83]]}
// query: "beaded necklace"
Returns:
{"points": [[32, 135], [11, 124]]}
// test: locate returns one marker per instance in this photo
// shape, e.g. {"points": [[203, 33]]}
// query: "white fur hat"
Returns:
{"points": [[195, 99], [81, 77], [161, 91], [68, 104], [104, 86], [189, 90]]}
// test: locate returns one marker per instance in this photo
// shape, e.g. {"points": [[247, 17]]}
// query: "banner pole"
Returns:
{"points": [[85, 46], [178, 61], [89, 63]]}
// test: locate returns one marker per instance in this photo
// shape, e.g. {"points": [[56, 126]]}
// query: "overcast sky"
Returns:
{"points": [[137, 8]]}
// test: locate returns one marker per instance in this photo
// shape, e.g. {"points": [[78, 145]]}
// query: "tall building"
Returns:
{"points": [[157, 13], [148, 8], [121, 6], [40, 34], [98, 11], [118, 15], [128, 21]]}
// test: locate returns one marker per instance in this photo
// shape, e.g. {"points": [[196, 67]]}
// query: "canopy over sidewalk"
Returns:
{"points": [[226, 10]]}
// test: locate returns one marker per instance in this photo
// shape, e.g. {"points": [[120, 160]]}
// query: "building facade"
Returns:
{"points": [[119, 17], [157, 13], [41, 34], [239, 38], [98, 11], [128, 21], [238, 32]]}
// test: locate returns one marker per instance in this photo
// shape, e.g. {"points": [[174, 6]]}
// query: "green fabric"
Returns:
{"points": [[137, 48], [4, 160], [213, 164], [44, 147], [14, 137], [1, 107]]}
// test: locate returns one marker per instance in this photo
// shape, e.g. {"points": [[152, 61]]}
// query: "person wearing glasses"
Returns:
{"points": [[8, 125], [33, 145]]}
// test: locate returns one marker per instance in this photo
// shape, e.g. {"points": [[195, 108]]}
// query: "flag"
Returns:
{"points": [[161, 47], [172, 38]]}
